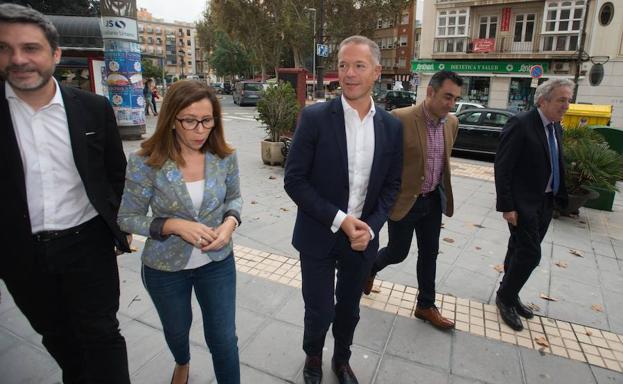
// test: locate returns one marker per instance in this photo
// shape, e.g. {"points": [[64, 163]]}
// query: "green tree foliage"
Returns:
{"points": [[229, 58], [268, 29], [150, 70], [63, 7]]}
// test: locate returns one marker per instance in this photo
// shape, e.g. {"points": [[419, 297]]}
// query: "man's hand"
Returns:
{"points": [[511, 217], [358, 232]]}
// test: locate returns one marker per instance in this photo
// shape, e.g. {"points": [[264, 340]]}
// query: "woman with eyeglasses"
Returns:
{"points": [[188, 175]]}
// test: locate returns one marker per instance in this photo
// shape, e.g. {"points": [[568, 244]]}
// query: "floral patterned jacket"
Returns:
{"points": [[164, 191]]}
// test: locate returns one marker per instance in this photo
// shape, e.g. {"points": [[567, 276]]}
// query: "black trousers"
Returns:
{"points": [[318, 274], [71, 297], [424, 219], [524, 249]]}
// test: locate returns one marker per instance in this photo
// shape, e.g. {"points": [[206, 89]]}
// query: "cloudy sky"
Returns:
{"points": [[189, 10]]}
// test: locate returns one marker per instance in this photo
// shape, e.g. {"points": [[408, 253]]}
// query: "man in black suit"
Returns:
{"points": [[529, 175], [343, 173], [63, 165]]}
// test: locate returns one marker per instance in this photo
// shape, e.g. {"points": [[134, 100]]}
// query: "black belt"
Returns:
{"points": [[45, 236], [427, 194]]}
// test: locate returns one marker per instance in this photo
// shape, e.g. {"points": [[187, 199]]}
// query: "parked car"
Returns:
{"points": [[227, 88], [218, 88], [464, 106], [398, 99], [480, 128], [247, 92]]}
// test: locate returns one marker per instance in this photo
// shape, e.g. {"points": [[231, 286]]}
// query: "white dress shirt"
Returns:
{"points": [[55, 193], [546, 122], [360, 150]]}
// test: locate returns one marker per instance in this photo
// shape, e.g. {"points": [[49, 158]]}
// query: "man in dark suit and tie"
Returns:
{"points": [[63, 165], [529, 176], [343, 172]]}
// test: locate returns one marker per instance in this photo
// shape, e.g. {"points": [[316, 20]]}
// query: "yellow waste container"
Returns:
{"points": [[587, 114]]}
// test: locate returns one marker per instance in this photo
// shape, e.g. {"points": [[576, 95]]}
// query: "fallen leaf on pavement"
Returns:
{"points": [[253, 202], [478, 248], [589, 333], [477, 225], [271, 177], [575, 252], [375, 290], [448, 240], [548, 298], [284, 209], [542, 341], [561, 264], [133, 249], [499, 268], [597, 307], [534, 307]]}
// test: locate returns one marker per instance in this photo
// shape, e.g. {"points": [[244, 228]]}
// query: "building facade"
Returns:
{"points": [[505, 48], [170, 45], [396, 38]]}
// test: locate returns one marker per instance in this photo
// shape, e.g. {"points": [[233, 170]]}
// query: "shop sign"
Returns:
{"points": [[483, 45], [119, 28], [506, 20], [432, 66]]}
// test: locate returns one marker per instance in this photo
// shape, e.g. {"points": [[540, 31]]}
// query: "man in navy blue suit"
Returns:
{"points": [[529, 177], [343, 172]]}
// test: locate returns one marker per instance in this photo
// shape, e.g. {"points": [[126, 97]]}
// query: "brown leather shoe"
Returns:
{"points": [[369, 283], [433, 316]]}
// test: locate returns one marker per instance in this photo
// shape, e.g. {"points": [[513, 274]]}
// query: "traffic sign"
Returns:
{"points": [[536, 71], [322, 50]]}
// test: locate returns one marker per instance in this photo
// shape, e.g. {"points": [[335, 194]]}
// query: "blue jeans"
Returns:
{"points": [[215, 289]]}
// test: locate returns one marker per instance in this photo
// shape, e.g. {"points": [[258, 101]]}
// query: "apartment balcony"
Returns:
{"points": [[543, 47]]}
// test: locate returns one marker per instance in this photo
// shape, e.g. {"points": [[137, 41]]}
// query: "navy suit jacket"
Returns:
{"points": [[522, 165], [316, 175]]}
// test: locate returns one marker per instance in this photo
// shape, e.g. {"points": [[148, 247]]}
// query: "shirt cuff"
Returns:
{"points": [[371, 234], [233, 214], [337, 221]]}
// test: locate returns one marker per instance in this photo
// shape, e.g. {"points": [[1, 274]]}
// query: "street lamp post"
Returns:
{"points": [[313, 10]]}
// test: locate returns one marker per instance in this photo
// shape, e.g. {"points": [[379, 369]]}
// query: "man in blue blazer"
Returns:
{"points": [[343, 172], [529, 176]]}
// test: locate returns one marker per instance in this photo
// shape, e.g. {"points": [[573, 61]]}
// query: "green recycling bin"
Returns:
{"points": [[613, 136]]}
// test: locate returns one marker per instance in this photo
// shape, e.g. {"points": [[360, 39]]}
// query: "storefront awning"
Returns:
{"points": [[78, 33]]}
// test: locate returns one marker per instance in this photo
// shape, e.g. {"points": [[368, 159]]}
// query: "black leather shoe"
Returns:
{"points": [[344, 373], [312, 372], [509, 315], [523, 310]]}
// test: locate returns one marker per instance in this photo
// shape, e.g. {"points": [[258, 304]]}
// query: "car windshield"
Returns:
{"points": [[253, 87]]}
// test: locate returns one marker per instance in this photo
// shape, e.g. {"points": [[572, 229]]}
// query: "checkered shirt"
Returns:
{"points": [[434, 153]]}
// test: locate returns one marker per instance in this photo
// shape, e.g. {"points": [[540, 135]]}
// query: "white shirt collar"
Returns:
{"points": [[347, 108], [544, 119], [57, 99]]}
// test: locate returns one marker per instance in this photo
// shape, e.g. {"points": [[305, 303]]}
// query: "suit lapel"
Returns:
{"points": [[379, 146], [77, 128], [339, 127], [11, 149], [540, 132], [420, 128], [174, 176]]}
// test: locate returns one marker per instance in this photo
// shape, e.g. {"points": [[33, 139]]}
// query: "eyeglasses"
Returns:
{"points": [[190, 124]]}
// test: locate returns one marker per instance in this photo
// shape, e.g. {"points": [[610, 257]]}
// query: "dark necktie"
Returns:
{"points": [[553, 152]]}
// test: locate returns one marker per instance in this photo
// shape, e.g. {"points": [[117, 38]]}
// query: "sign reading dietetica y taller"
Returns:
{"points": [[122, 58], [432, 66]]}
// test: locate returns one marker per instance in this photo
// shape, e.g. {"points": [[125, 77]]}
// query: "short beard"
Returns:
{"points": [[44, 79]]}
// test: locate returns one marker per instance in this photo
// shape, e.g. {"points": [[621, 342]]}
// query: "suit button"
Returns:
{"points": [[415, 196], [422, 178]]}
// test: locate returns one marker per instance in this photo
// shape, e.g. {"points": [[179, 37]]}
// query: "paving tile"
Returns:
{"points": [[396, 370], [373, 328], [485, 360], [24, 363], [546, 368], [143, 343], [261, 295], [284, 358], [251, 375], [160, 368], [408, 337]]}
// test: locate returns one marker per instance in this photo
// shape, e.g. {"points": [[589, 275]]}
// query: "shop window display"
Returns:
{"points": [[520, 94], [476, 90]]}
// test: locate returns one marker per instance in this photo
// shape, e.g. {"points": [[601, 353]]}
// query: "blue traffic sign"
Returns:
{"points": [[322, 50], [536, 71]]}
